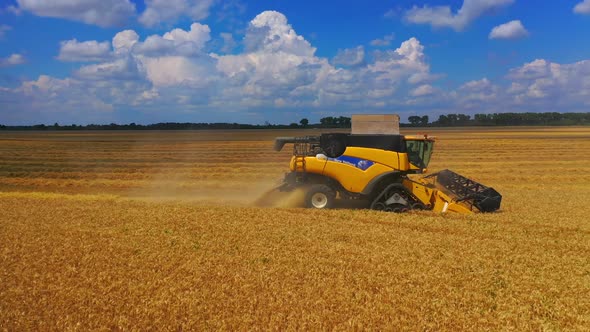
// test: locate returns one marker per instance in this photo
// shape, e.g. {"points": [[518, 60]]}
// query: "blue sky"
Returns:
{"points": [[102, 61]]}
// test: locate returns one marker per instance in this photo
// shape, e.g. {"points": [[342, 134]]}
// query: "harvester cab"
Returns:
{"points": [[375, 164], [419, 150]]}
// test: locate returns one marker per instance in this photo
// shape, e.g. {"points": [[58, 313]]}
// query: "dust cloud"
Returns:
{"points": [[171, 186]]}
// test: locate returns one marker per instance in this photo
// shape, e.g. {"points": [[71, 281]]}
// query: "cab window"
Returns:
{"points": [[419, 152]]}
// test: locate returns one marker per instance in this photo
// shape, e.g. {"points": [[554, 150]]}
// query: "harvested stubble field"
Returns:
{"points": [[156, 230]]}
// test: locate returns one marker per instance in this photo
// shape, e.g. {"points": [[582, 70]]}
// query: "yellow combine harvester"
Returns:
{"points": [[378, 168]]}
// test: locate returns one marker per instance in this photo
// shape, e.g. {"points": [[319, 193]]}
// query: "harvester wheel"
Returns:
{"points": [[320, 196], [418, 206], [397, 208], [379, 206]]}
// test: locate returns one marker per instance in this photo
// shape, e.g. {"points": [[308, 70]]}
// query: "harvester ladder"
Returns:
{"points": [[300, 163], [300, 150]]}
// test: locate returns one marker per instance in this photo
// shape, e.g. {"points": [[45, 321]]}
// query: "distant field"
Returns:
{"points": [[140, 230]]}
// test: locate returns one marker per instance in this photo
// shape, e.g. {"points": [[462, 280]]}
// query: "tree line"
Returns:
{"points": [[154, 126], [503, 119], [446, 120], [531, 119]]}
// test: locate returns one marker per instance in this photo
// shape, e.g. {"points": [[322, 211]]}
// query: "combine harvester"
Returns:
{"points": [[375, 164]]}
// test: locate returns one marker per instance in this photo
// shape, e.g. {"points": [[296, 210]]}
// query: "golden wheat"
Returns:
{"points": [[140, 231]]}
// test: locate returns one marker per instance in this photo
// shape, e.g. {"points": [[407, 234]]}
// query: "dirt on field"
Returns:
{"points": [[157, 230]]}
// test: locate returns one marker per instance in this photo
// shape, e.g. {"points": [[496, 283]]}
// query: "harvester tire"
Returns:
{"points": [[320, 196]]}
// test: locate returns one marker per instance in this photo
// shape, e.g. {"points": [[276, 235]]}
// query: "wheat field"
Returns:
{"points": [[157, 230]]}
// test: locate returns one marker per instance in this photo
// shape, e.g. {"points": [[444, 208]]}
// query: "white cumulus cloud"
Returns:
{"points": [[75, 51], [104, 13], [124, 41], [167, 11], [552, 83], [443, 16], [385, 41], [406, 61], [119, 69], [511, 30], [48, 99], [178, 71], [12, 60], [177, 41], [530, 71], [175, 58], [276, 62], [582, 7], [275, 71], [350, 56], [270, 32], [423, 90], [229, 43], [537, 86]]}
